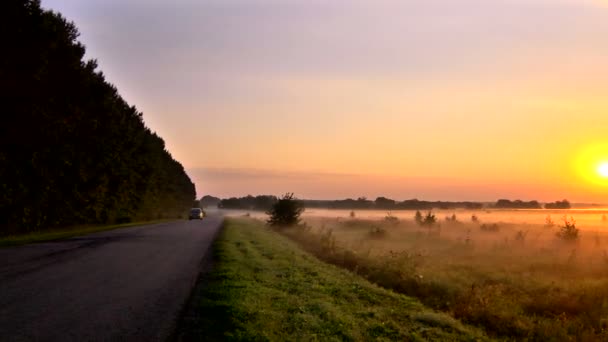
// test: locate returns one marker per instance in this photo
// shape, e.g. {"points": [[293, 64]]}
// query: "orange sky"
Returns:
{"points": [[454, 100]]}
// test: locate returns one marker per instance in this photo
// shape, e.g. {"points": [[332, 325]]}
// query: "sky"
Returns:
{"points": [[428, 99]]}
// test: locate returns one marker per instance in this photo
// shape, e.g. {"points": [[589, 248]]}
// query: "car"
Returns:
{"points": [[196, 214]]}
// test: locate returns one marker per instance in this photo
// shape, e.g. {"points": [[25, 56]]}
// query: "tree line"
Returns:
{"points": [[265, 202], [73, 151]]}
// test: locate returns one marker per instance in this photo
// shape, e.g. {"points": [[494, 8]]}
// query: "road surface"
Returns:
{"points": [[127, 284]]}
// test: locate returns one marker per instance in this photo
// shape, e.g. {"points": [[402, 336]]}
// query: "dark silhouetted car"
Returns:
{"points": [[196, 214]]}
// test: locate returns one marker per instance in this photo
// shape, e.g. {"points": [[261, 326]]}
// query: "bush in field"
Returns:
{"points": [[492, 228], [429, 219], [390, 218], [474, 218], [285, 212], [452, 218], [377, 232], [520, 236], [418, 217], [352, 214], [549, 223], [568, 231]]}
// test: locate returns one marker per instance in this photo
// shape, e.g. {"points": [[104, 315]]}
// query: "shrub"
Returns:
{"points": [[429, 219], [549, 223], [520, 236], [451, 218], [568, 231], [390, 218], [474, 218], [285, 212], [490, 227], [377, 232], [418, 217]]}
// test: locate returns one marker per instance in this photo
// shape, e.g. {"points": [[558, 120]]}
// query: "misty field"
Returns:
{"points": [[537, 274]]}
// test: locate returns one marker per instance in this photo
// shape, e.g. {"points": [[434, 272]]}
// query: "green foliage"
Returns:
{"points": [[285, 212], [265, 288], [517, 284], [72, 150], [568, 231]]}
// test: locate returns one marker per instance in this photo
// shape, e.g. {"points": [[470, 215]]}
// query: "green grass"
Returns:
{"points": [[59, 234], [263, 287], [538, 289]]}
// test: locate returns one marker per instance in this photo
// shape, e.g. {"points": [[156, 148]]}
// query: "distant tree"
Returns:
{"points": [[563, 204], [384, 203], [285, 212], [517, 204], [209, 201]]}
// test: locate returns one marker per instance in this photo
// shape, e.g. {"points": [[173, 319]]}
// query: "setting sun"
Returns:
{"points": [[602, 170]]}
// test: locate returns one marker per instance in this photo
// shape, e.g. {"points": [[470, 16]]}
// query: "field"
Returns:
{"points": [[264, 287], [511, 273]]}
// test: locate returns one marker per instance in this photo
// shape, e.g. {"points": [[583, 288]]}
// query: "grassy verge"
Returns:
{"points": [[534, 289], [264, 287], [15, 240]]}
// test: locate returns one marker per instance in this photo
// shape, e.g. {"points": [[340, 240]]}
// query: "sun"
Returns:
{"points": [[591, 164], [602, 169]]}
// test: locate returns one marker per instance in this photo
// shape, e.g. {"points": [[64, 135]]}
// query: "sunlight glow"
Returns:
{"points": [[592, 164], [602, 170]]}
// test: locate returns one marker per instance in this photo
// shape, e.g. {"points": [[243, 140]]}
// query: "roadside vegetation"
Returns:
{"points": [[545, 281], [264, 287], [66, 233]]}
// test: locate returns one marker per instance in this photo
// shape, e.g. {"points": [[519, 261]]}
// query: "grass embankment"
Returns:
{"points": [[59, 234], [516, 281], [264, 287]]}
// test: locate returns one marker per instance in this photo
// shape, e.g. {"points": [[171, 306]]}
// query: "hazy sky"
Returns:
{"points": [[433, 99]]}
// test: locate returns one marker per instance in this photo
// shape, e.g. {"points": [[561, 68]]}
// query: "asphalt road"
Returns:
{"points": [[121, 285]]}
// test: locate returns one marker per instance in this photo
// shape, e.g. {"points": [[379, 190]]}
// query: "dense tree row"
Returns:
{"points": [[563, 204], [72, 150], [381, 203], [516, 204], [262, 202], [265, 202]]}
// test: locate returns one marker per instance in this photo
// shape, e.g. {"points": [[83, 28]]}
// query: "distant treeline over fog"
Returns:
{"points": [[264, 202]]}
